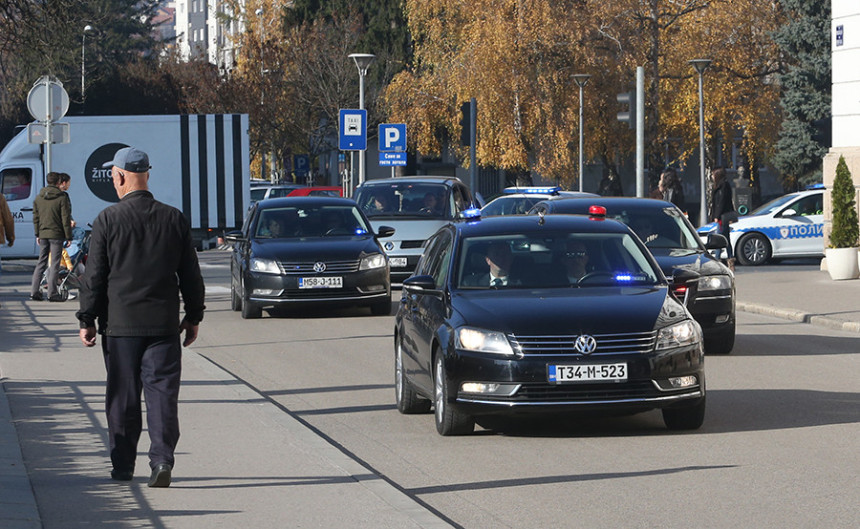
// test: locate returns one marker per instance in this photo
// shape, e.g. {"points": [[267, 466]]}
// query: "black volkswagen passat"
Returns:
{"points": [[674, 243], [308, 250], [501, 317]]}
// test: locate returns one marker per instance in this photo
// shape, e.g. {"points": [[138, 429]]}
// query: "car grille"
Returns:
{"points": [[607, 344], [331, 267], [586, 392]]}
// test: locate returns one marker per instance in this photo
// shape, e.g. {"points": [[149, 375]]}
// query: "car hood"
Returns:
{"points": [[592, 310], [693, 260], [315, 249], [409, 229]]}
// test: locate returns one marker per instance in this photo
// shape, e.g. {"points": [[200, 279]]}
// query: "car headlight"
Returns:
{"points": [[715, 283], [266, 266], [471, 339], [679, 335], [370, 262]]}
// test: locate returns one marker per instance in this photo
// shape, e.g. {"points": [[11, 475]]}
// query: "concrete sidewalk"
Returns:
{"points": [[287, 474], [284, 475]]}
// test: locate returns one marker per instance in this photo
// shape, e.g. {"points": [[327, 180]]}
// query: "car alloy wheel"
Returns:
{"points": [[449, 421], [753, 249], [408, 401]]}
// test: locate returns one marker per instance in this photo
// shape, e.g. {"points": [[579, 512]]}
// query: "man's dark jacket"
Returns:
{"points": [[141, 256], [52, 214]]}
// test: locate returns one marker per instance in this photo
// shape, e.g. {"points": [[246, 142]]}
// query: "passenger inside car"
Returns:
{"points": [[499, 260]]}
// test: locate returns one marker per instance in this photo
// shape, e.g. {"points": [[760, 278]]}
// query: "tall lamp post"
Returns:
{"points": [[87, 29], [581, 79], [701, 65], [362, 61], [259, 13]]}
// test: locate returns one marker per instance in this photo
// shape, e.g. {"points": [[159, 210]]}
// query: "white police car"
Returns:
{"points": [[519, 200], [789, 226]]}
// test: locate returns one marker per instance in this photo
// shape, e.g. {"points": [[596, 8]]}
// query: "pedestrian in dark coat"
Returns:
{"points": [[610, 185], [141, 258], [723, 209], [52, 222], [671, 189]]}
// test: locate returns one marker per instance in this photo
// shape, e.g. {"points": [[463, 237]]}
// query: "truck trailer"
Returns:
{"points": [[200, 165]]}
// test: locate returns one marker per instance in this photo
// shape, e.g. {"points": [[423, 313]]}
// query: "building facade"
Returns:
{"points": [[205, 29]]}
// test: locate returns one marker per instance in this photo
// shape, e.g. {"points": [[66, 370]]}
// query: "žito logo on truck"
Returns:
{"points": [[98, 178]]}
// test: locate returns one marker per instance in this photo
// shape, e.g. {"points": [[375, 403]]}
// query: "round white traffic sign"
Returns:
{"points": [[47, 100]]}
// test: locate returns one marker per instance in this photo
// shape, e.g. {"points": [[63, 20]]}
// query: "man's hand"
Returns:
{"points": [[66, 244], [88, 336], [190, 333], [11, 242]]}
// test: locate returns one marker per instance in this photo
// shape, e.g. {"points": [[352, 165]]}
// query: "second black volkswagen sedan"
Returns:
{"points": [[504, 317], [671, 239], [308, 250]]}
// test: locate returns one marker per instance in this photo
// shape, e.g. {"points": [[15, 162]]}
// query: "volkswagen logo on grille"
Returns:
{"points": [[319, 267], [389, 246], [585, 344]]}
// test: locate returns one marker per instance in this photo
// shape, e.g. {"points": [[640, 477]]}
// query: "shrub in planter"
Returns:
{"points": [[844, 229], [844, 226]]}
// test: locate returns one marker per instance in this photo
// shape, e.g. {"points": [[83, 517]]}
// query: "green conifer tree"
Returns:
{"points": [[844, 228]]}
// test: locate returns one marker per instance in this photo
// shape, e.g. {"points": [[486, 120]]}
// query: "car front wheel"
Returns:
{"points": [[235, 299], [408, 401], [753, 249], [449, 421], [250, 310]]}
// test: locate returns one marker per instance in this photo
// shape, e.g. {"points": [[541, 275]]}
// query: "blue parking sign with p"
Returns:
{"points": [[392, 137]]}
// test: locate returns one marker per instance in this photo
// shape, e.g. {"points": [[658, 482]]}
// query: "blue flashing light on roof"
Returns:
{"points": [[819, 185], [545, 190], [471, 214]]}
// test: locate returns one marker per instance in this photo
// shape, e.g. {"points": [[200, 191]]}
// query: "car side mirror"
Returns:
{"points": [[422, 282], [716, 241], [234, 236], [385, 231]]}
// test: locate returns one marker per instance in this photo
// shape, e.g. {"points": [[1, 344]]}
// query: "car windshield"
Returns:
{"points": [[309, 221], [772, 206], [661, 228], [510, 205], [402, 199], [551, 260]]}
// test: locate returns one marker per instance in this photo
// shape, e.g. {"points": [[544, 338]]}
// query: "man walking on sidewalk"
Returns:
{"points": [[52, 221], [141, 257]]}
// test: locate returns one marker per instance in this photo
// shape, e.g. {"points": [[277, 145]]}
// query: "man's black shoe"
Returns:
{"points": [[56, 298], [36, 297], [122, 474], [160, 475]]}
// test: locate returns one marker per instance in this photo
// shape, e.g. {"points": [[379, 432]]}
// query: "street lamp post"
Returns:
{"points": [[362, 61], [259, 13], [701, 65], [87, 29], [581, 79]]}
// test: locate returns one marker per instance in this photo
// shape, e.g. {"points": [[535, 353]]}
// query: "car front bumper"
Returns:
{"points": [[364, 287], [526, 389]]}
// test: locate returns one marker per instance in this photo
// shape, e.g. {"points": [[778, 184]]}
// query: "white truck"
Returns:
{"points": [[200, 165]]}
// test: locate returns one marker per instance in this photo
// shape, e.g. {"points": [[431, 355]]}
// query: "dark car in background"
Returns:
{"points": [[415, 206], [299, 251], [614, 340], [669, 236]]}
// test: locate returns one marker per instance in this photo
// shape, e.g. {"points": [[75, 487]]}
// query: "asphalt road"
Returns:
{"points": [[779, 447]]}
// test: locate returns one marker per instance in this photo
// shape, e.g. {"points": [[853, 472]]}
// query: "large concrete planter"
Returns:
{"points": [[842, 263]]}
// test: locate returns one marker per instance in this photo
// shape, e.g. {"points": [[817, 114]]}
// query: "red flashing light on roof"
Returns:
{"points": [[597, 212]]}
